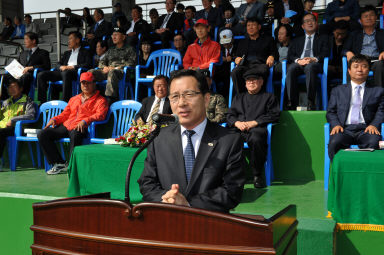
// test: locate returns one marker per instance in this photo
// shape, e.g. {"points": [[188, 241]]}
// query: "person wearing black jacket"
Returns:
{"points": [[138, 26], [7, 30], [250, 113], [369, 42], [168, 24], [305, 55], [295, 20], [32, 58], [256, 51], [98, 30], [76, 57]]}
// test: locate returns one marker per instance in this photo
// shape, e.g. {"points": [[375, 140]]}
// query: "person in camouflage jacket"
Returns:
{"points": [[217, 108], [112, 65]]}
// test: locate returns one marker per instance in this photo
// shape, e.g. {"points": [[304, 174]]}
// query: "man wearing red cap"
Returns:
{"points": [[204, 51], [80, 112]]}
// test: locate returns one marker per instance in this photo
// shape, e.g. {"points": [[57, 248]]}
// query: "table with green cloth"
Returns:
{"points": [[102, 168], [356, 193]]}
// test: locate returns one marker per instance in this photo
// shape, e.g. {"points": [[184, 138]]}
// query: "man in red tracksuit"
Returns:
{"points": [[203, 51], [80, 112]]}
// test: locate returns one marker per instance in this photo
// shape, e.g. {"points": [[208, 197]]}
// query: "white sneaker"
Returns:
{"points": [[57, 169]]}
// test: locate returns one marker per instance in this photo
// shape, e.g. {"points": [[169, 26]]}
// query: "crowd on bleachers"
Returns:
{"points": [[282, 41]]}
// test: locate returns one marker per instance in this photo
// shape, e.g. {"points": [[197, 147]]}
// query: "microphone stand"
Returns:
{"points": [[153, 135]]}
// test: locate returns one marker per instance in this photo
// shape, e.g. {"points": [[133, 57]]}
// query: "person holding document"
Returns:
{"points": [[194, 162]]}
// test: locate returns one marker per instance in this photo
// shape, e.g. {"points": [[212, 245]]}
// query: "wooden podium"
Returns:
{"points": [[98, 225]]}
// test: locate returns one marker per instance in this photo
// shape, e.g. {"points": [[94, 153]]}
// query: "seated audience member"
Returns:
{"points": [[189, 21], [87, 17], [269, 19], [101, 50], [7, 29], [337, 10], [168, 24], [256, 51], [217, 108], [100, 29], [180, 8], [305, 55], [204, 51], [154, 16], [138, 26], [118, 12], [180, 44], [123, 23], [70, 20], [281, 13], [211, 14], [223, 72], [19, 31], [229, 16], [29, 25], [193, 163], [81, 111], [17, 107], [355, 110], [159, 103], [250, 113], [76, 57], [31, 58], [144, 54], [252, 9], [308, 6], [336, 43], [369, 42], [283, 33], [112, 65]]}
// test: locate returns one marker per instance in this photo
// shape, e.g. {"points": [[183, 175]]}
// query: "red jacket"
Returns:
{"points": [[94, 109], [202, 55]]}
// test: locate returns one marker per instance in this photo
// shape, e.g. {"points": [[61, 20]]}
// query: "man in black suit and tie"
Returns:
{"points": [[306, 53], [195, 163], [369, 42], [355, 111], [100, 29], [138, 26], [168, 24], [159, 103], [32, 58], [76, 57]]}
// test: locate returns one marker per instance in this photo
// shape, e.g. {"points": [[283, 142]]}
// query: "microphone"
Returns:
{"points": [[165, 118]]}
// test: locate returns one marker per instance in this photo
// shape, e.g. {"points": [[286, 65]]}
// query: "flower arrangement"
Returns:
{"points": [[136, 135]]}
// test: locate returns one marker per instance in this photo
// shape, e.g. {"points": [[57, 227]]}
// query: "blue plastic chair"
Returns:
{"points": [[301, 79], [327, 161], [31, 93], [48, 110], [12, 147], [164, 62], [75, 84], [124, 84], [381, 21], [268, 165], [345, 70], [123, 113]]}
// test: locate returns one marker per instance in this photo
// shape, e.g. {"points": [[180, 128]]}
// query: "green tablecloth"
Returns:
{"points": [[356, 190], [102, 168]]}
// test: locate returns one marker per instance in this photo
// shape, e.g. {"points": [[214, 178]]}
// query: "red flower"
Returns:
{"points": [[143, 140]]}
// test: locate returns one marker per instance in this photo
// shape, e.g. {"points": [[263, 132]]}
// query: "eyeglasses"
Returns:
{"points": [[187, 95], [86, 82], [309, 21]]}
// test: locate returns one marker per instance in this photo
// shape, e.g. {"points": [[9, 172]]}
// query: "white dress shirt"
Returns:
{"points": [[132, 26], [196, 138], [162, 100], [72, 61], [164, 25], [305, 45], [361, 117]]}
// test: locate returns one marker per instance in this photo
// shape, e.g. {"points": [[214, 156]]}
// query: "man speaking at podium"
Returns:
{"points": [[195, 162]]}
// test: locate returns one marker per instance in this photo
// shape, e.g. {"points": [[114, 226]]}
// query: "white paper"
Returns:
{"points": [[15, 69]]}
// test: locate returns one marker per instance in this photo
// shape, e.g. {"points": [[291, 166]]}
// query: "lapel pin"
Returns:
{"points": [[210, 144]]}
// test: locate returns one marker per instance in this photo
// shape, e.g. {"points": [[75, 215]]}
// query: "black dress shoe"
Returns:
{"points": [[311, 106], [290, 106], [259, 182]]}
